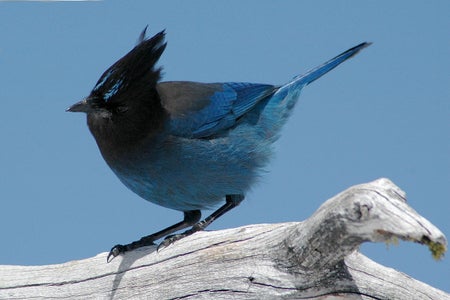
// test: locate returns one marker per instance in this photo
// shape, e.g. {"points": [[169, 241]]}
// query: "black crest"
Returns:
{"points": [[133, 76]]}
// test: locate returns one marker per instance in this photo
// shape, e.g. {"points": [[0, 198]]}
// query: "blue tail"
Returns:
{"points": [[279, 106], [321, 70]]}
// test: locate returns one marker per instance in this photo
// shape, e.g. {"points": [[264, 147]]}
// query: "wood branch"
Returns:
{"points": [[314, 259]]}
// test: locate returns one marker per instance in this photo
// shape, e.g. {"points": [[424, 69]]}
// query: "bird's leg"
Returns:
{"points": [[190, 218], [231, 202]]}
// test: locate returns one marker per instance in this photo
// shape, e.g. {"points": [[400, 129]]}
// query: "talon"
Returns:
{"points": [[169, 240], [115, 251]]}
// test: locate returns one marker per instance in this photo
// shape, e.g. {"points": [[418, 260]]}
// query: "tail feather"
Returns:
{"points": [[321, 70], [278, 107]]}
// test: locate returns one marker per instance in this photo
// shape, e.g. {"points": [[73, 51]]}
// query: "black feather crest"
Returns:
{"points": [[133, 73]]}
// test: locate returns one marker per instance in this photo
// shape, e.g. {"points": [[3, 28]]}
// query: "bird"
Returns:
{"points": [[184, 145]]}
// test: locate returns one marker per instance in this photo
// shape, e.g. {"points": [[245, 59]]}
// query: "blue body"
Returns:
{"points": [[212, 143]]}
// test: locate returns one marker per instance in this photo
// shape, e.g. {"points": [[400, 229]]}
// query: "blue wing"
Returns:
{"points": [[199, 110]]}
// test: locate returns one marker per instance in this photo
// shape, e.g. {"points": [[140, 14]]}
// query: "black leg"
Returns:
{"points": [[190, 218], [231, 202]]}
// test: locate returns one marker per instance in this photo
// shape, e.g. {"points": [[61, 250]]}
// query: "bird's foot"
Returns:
{"points": [[115, 251], [120, 249], [170, 239]]}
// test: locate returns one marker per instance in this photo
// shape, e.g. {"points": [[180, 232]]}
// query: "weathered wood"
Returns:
{"points": [[314, 259]]}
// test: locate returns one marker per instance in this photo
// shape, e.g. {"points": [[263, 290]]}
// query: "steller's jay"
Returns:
{"points": [[187, 145]]}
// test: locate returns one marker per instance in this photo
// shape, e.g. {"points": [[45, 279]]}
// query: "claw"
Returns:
{"points": [[169, 240], [115, 251]]}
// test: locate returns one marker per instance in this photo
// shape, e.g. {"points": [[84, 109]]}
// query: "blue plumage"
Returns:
{"points": [[187, 145], [226, 105]]}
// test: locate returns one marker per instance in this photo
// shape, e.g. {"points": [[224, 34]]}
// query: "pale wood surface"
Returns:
{"points": [[314, 259]]}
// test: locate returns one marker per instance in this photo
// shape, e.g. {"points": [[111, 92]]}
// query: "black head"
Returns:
{"points": [[124, 104]]}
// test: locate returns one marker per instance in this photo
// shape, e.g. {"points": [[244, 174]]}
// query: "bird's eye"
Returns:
{"points": [[121, 109]]}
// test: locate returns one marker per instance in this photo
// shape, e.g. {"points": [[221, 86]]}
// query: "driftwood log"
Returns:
{"points": [[314, 259]]}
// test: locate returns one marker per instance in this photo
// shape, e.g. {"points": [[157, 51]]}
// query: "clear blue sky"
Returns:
{"points": [[385, 113]]}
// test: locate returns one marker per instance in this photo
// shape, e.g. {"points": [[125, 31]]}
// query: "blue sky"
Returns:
{"points": [[385, 113]]}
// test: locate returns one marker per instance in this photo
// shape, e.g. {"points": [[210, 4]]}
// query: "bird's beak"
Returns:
{"points": [[82, 106]]}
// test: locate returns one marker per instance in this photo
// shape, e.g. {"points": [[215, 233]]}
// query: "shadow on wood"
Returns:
{"points": [[314, 259]]}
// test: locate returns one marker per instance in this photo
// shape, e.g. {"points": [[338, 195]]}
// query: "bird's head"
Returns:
{"points": [[125, 96], [130, 80]]}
